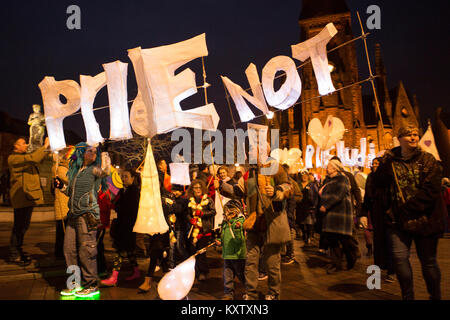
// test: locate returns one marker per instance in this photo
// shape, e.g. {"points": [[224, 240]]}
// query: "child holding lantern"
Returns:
{"points": [[201, 212], [232, 240]]}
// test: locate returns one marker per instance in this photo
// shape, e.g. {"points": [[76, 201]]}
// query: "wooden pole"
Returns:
{"points": [[371, 78]]}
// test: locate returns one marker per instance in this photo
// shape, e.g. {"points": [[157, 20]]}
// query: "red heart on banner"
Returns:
{"points": [[427, 143]]}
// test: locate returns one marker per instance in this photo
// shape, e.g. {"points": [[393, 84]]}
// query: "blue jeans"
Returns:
{"points": [[426, 248], [232, 269], [81, 244]]}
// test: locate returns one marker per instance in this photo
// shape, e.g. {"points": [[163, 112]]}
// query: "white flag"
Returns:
{"points": [[427, 143]]}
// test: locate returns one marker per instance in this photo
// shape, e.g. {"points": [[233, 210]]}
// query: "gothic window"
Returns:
{"points": [[356, 124]]}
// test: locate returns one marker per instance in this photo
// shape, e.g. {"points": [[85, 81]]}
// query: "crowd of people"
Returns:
{"points": [[403, 199]]}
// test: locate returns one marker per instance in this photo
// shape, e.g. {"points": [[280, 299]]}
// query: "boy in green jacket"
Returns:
{"points": [[232, 240]]}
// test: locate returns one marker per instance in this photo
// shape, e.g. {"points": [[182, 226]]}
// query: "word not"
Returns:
{"points": [[291, 88], [374, 281], [242, 309], [74, 281], [193, 310], [74, 20], [374, 21]]}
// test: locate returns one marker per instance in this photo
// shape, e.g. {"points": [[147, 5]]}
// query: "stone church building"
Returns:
{"points": [[357, 112]]}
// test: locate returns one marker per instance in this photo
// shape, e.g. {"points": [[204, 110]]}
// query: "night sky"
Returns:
{"points": [[36, 43]]}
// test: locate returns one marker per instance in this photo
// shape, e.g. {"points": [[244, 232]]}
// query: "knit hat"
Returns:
{"points": [[337, 164], [232, 208], [406, 130]]}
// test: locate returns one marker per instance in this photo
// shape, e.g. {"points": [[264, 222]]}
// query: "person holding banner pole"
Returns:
{"points": [[25, 194], [88, 170], [265, 190]]}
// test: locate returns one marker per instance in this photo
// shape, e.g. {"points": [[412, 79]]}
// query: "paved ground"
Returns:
{"points": [[304, 280]]}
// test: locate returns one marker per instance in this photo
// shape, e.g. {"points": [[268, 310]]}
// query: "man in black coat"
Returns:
{"points": [[413, 209]]}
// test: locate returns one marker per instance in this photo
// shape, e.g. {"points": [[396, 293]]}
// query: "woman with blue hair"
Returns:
{"points": [[88, 170]]}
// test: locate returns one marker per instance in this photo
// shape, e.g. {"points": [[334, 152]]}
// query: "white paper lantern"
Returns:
{"points": [[179, 174], [116, 77], [176, 284], [280, 155], [257, 138], [326, 156], [371, 155], [308, 156], [161, 90], [238, 94], [348, 158], [335, 131], [150, 218], [316, 49], [329, 134], [355, 154], [55, 111], [290, 90], [219, 202], [90, 86], [316, 132], [318, 157], [340, 149], [361, 160]]}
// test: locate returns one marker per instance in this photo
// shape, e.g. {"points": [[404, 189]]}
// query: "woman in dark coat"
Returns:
{"points": [[335, 205], [201, 212], [306, 208], [159, 244], [126, 205]]}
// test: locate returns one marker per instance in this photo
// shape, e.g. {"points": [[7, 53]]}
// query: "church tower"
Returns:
{"points": [[345, 104]]}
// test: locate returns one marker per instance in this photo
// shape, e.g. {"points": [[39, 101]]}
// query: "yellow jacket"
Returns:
{"points": [[61, 200]]}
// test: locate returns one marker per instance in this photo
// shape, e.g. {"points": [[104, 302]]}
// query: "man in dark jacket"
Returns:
{"points": [[413, 209], [25, 194]]}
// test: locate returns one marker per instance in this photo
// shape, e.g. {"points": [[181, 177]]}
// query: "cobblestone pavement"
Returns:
{"points": [[306, 279]]}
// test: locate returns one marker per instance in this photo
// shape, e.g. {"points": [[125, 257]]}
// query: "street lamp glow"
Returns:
{"points": [[330, 67], [269, 115]]}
